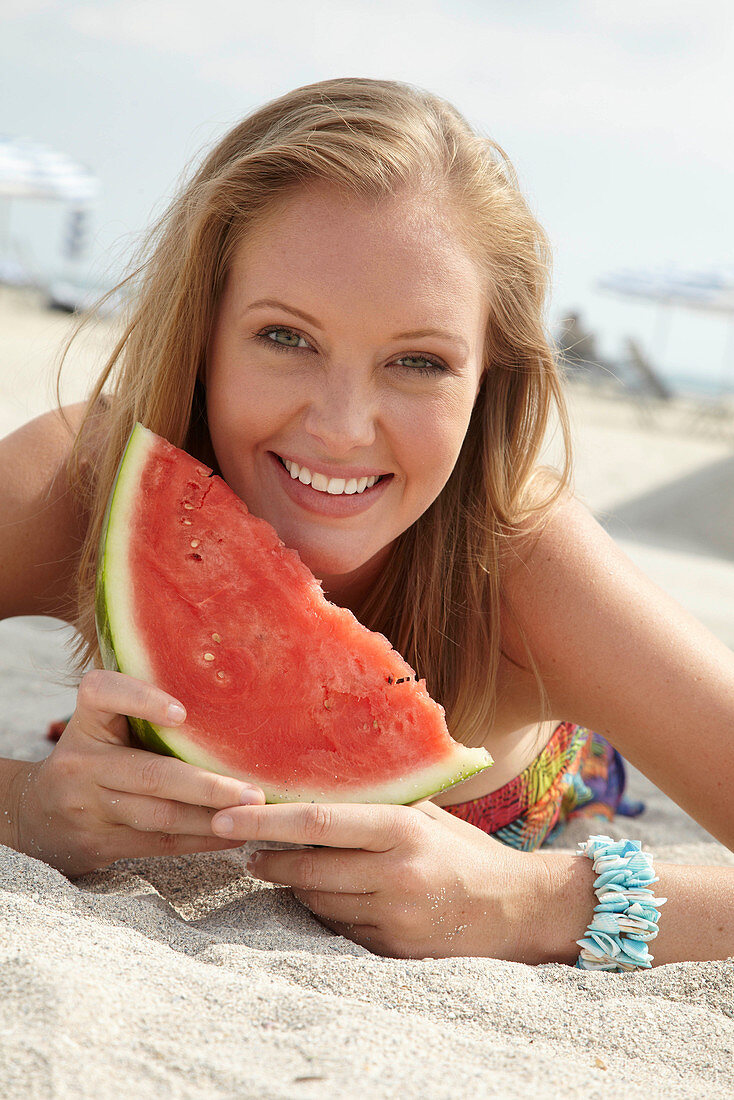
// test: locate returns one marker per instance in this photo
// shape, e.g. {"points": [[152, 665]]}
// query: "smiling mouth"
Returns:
{"points": [[333, 486]]}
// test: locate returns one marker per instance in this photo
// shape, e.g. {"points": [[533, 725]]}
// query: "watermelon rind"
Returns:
{"points": [[122, 650]]}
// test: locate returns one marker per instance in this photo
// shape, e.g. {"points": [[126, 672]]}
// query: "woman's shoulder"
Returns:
{"points": [[44, 521], [564, 581], [605, 638], [540, 575]]}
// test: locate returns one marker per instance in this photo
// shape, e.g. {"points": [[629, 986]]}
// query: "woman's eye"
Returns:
{"points": [[422, 364], [284, 338]]}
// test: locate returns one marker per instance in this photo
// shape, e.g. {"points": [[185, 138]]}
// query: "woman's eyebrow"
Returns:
{"points": [[417, 334], [420, 334], [273, 303]]}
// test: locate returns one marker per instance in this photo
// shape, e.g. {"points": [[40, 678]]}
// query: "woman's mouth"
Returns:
{"points": [[330, 496], [334, 486]]}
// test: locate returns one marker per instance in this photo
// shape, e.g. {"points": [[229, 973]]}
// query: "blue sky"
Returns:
{"points": [[617, 116]]}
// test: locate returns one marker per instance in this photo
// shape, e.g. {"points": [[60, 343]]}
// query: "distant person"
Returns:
{"points": [[352, 280]]}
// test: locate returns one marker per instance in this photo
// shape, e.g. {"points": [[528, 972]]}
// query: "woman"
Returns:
{"points": [[352, 283]]}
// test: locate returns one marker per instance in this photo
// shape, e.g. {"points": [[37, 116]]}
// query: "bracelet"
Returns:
{"points": [[626, 916]]}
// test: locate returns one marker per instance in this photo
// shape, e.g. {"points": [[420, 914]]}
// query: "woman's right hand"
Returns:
{"points": [[95, 799]]}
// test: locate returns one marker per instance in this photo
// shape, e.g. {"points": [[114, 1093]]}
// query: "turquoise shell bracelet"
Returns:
{"points": [[626, 916]]}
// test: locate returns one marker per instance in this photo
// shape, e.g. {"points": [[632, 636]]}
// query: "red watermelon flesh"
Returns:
{"points": [[280, 686]]}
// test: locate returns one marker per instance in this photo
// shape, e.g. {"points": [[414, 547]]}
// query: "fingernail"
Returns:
{"points": [[176, 712], [222, 824], [250, 796]]}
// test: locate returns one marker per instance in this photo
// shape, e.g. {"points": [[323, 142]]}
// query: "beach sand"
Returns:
{"points": [[187, 978]]}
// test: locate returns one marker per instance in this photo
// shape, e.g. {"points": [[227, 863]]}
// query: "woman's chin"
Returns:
{"points": [[344, 577], [331, 568]]}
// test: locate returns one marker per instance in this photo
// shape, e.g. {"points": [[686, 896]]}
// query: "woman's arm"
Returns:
{"points": [[620, 656], [416, 882], [696, 922], [41, 529]]}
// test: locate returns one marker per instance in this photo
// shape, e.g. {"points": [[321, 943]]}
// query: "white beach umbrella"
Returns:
{"points": [[31, 171], [711, 291]]}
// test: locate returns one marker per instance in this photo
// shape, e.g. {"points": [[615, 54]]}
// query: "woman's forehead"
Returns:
{"points": [[325, 240]]}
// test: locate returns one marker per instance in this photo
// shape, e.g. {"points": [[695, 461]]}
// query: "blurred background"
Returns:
{"points": [[617, 117]]}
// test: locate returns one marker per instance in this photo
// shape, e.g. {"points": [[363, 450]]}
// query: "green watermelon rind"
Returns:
{"points": [[122, 651], [135, 449]]}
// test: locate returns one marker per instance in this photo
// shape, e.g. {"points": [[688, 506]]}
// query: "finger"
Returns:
{"points": [[130, 844], [137, 771], [104, 695], [353, 909], [173, 844], [156, 815], [366, 935], [376, 828], [352, 872]]}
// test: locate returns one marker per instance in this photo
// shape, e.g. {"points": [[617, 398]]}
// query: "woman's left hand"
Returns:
{"points": [[404, 881]]}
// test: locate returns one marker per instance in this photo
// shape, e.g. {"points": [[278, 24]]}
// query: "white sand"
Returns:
{"points": [[186, 978]]}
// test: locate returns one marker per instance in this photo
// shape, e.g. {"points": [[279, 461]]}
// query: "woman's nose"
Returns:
{"points": [[341, 415]]}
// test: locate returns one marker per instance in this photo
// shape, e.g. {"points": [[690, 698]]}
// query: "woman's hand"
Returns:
{"points": [[405, 881], [95, 799]]}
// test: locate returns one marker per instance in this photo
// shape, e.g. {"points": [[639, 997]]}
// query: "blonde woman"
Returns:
{"points": [[353, 282]]}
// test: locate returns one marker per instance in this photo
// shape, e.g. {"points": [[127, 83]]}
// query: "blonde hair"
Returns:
{"points": [[439, 598]]}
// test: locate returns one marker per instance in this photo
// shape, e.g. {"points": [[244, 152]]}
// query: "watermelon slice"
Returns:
{"points": [[281, 687]]}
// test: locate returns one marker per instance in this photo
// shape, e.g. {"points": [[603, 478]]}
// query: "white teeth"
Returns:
{"points": [[335, 486]]}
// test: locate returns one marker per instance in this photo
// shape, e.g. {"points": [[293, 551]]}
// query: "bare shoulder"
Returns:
{"points": [[42, 527], [619, 655], [580, 600]]}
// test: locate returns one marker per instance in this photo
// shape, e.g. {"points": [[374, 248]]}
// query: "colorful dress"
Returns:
{"points": [[578, 774]]}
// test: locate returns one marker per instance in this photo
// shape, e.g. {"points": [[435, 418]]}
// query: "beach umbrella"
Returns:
{"points": [[31, 171], [711, 291]]}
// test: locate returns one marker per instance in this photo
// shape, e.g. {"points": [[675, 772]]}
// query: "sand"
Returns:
{"points": [[187, 978]]}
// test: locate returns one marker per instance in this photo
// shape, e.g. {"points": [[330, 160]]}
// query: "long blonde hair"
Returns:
{"points": [[439, 599]]}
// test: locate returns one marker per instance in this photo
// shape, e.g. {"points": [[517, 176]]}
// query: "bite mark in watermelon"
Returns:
{"points": [[281, 687]]}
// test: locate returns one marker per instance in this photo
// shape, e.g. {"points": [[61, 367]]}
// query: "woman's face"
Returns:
{"points": [[347, 347]]}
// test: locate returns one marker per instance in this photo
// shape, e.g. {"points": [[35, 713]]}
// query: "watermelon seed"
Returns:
{"points": [[194, 543], [328, 704], [216, 638], [220, 675], [187, 523], [188, 506], [208, 656], [196, 557]]}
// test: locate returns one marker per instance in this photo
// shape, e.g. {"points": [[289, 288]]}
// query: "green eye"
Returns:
{"points": [[284, 338], [421, 364], [287, 338]]}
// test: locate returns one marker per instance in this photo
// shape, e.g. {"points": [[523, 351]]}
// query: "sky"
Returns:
{"points": [[616, 114]]}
